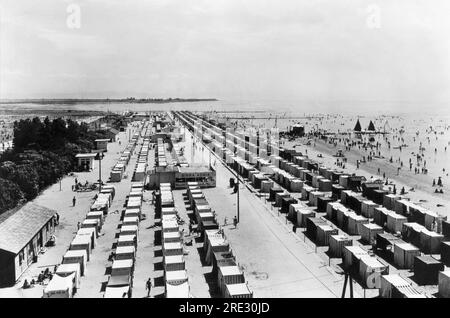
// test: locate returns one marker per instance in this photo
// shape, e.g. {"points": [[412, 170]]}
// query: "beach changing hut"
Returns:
{"points": [[173, 263], [76, 257], [81, 242], [444, 284], [69, 269], [125, 252], [237, 291], [229, 275], [404, 254], [60, 287]]}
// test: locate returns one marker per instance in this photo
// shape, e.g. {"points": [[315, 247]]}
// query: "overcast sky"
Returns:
{"points": [[246, 49]]}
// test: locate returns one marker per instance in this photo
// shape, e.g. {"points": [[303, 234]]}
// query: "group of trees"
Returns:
{"points": [[43, 152]]}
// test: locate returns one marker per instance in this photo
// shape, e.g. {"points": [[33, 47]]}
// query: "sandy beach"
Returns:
{"points": [[431, 133]]}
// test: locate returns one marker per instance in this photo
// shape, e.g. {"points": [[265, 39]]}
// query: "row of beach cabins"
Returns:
{"points": [[118, 170], [216, 248], [120, 282], [67, 277], [140, 171], [66, 280], [175, 275], [327, 202], [169, 158]]}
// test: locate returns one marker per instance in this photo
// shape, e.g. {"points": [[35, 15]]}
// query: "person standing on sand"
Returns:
{"points": [[74, 200], [148, 286], [235, 222]]}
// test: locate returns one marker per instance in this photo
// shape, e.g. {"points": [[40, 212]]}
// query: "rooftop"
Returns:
{"points": [[113, 130], [194, 169], [20, 227], [85, 155]]}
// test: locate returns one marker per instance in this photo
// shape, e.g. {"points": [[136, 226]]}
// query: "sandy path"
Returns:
{"points": [[61, 201]]}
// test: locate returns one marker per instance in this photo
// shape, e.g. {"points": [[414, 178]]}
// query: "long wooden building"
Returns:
{"points": [[22, 235]]}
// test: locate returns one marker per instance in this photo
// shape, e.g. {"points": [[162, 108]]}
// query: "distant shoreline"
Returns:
{"points": [[107, 100]]}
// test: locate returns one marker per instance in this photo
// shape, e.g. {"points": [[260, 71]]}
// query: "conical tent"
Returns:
{"points": [[357, 126], [371, 126]]}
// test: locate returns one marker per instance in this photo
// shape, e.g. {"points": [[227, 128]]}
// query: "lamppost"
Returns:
{"points": [[209, 158], [100, 156]]}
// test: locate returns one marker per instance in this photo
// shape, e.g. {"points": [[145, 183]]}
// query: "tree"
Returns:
{"points": [[59, 133], [45, 134], [10, 195], [26, 132], [43, 152]]}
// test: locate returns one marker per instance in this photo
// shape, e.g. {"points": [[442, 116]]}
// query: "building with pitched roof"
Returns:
{"points": [[22, 235]]}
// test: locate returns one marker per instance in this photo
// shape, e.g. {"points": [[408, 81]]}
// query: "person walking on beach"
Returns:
{"points": [[153, 197], [78, 225], [235, 222], [236, 188], [74, 200], [148, 286]]}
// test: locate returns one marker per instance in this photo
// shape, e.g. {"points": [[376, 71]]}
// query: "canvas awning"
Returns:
{"points": [[116, 292], [119, 280], [60, 286], [177, 291]]}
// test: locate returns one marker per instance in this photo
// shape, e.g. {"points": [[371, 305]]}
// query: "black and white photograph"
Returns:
{"points": [[224, 149]]}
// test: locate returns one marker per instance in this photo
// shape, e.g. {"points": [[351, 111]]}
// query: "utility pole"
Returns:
{"points": [[238, 198], [193, 149], [348, 279], [100, 157], [100, 172]]}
